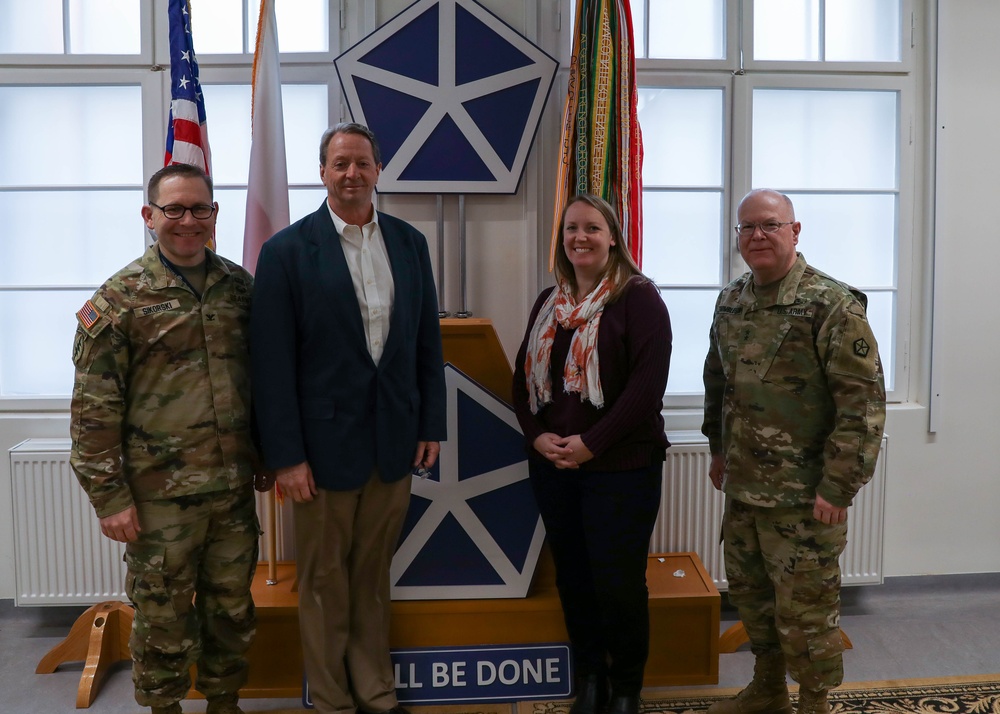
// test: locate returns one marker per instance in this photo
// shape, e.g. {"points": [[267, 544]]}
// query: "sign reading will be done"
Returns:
{"points": [[482, 674], [457, 675]]}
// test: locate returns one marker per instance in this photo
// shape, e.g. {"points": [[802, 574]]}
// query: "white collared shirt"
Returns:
{"points": [[364, 249]]}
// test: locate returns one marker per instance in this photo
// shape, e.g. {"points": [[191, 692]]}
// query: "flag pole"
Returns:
{"points": [[272, 540], [267, 188], [440, 243], [464, 312]]}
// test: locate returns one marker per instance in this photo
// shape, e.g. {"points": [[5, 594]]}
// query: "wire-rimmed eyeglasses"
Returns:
{"points": [[745, 230], [175, 211]]}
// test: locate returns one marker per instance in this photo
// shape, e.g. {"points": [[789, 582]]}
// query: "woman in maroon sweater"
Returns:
{"points": [[588, 389]]}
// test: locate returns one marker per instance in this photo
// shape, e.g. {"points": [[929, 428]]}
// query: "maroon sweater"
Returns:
{"points": [[633, 344]]}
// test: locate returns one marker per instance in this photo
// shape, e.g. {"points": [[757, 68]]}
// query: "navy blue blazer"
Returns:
{"points": [[317, 394]]}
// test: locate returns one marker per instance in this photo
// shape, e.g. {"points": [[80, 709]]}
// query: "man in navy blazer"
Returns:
{"points": [[349, 395]]}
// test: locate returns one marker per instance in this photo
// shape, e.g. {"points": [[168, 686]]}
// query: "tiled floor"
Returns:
{"points": [[909, 627]]}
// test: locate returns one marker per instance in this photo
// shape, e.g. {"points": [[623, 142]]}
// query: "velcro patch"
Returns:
{"points": [[93, 316], [858, 353], [156, 309], [88, 315]]}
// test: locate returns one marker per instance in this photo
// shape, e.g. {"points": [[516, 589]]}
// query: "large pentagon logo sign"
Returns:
{"points": [[453, 94], [473, 529]]}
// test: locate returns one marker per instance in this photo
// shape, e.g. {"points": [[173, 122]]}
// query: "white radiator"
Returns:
{"points": [[60, 556], [690, 516]]}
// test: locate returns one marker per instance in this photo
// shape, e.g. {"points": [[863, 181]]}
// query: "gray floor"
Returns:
{"points": [[906, 628]]}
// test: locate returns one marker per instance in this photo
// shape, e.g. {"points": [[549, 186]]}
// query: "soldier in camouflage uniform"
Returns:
{"points": [[161, 443], [794, 412]]}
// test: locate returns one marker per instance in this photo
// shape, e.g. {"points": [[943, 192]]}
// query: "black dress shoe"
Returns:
{"points": [[623, 704], [591, 695], [395, 710]]}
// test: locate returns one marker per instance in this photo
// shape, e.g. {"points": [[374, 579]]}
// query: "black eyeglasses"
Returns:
{"points": [[745, 230], [175, 211]]}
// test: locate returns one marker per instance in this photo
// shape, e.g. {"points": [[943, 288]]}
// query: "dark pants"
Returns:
{"points": [[599, 524]]}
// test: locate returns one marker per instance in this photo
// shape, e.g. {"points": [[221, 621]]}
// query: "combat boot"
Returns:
{"points": [[766, 694], [225, 704], [811, 702], [174, 708]]}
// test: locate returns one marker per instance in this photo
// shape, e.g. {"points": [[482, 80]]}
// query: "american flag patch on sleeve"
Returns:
{"points": [[88, 315]]}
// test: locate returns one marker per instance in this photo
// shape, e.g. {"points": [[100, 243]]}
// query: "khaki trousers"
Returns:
{"points": [[344, 543]]}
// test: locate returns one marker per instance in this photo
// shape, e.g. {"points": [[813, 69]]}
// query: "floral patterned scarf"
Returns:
{"points": [[581, 372]]}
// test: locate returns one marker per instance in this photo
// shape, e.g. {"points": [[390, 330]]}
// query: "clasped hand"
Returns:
{"points": [[565, 452]]}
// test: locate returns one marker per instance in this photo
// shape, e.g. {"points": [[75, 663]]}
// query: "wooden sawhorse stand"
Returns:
{"points": [[99, 637]]}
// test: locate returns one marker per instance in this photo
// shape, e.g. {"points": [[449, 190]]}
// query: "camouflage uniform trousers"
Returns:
{"points": [[189, 576], [784, 577]]}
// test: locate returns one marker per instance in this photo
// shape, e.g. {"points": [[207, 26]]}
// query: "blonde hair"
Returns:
{"points": [[620, 268]]}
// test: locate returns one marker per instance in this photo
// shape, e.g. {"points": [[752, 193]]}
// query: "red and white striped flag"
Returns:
{"points": [[267, 186], [187, 127]]}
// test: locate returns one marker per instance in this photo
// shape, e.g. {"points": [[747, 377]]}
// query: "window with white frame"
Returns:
{"points": [[84, 93], [813, 98]]}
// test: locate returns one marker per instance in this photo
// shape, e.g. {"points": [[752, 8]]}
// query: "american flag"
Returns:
{"points": [[187, 128]]}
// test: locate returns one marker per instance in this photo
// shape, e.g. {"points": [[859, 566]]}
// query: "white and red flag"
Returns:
{"points": [[267, 186]]}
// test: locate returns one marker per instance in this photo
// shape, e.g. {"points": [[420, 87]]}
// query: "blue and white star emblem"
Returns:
{"points": [[473, 529], [453, 94]]}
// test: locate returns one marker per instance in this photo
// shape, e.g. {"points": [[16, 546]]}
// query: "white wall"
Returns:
{"points": [[943, 489]]}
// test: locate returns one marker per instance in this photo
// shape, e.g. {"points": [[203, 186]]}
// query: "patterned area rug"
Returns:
{"points": [[950, 695], [947, 695]]}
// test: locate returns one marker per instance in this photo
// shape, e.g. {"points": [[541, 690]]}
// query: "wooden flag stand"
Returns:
{"points": [[99, 637]]}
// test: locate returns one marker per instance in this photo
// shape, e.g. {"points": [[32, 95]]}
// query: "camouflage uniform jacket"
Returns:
{"points": [[794, 393], [161, 403]]}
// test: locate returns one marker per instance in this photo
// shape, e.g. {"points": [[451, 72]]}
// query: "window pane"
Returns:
{"points": [[230, 223], [31, 27], [638, 26], [217, 27], [825, 139], [680, 244], [303, 25], [105, 232], [37, 347], [682, 136], [786, 30], [303, 201], [227, 107], [690, 320], [853, 238], [681, 29], [305, 110], [104, 27], [38, 124], [881, 316], [232, 215], [863, 31]]}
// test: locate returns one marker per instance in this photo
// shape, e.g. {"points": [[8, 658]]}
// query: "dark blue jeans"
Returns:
{"points": [[598, 525]]}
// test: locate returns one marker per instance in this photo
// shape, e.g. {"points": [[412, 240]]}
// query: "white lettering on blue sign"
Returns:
{"points": [[479, 674]]}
